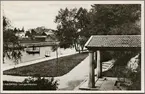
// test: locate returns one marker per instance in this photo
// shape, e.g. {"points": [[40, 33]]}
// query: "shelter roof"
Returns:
{"points": [[108, 41]]}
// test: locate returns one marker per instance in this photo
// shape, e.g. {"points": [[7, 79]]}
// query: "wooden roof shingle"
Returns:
{"points": [[108, 41]]}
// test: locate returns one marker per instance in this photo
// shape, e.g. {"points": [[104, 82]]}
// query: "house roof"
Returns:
{"points": [[112, 41], [40, 36]]}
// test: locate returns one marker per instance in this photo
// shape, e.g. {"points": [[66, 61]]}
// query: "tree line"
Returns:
{"points": [[75, 26]]}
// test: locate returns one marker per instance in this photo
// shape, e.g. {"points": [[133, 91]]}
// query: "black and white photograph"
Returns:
{"points": [[72, 46]]}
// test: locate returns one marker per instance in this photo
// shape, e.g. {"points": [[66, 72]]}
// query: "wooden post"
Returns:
{"points": [[99, 65], [91, 82], [95, 59]]}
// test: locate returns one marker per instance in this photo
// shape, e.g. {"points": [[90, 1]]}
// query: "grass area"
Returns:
{"points": [[49, 68]]}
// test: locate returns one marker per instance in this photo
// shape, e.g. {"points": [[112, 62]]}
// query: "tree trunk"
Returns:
{"points": [[82, 48], [75, 46]]}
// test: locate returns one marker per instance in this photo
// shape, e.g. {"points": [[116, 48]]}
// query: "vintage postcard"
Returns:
{"points": [[72, 46]]}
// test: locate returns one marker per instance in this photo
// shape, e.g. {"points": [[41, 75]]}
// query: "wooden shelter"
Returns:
{"points": [[108, 42]]}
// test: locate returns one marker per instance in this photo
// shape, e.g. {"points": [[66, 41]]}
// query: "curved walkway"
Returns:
{"points": [[70, 80]]}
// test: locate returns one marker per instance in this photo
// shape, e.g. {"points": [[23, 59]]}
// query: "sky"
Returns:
{"points": [[33, 14]]}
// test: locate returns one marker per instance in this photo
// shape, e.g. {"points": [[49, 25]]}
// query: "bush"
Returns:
{"points": [[32, 83], [127, 78]]}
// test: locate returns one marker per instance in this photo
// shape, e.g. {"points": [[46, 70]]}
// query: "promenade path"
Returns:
{"points": [[70, 80]]}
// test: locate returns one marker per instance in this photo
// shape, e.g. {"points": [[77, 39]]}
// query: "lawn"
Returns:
{"points": [[49, 68]]}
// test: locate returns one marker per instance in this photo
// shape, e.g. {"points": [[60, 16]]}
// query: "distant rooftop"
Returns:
{"points": [[39, 36], [111, 41]]}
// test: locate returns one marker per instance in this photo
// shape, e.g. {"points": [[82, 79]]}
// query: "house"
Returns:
{"points": [[50, 38], [44, 38], [40, 38], [49, 32], [20, 34]]}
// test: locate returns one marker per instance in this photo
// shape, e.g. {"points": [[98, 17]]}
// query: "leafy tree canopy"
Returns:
{"points": [[75, 24], [11, 47], [115, 19]]}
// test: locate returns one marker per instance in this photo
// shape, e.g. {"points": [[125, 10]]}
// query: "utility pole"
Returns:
{"points": [[57, 53], [56, 57]]}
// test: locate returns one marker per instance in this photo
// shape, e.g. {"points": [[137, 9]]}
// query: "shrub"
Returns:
{"points": [[32, 83], [129, 78]]}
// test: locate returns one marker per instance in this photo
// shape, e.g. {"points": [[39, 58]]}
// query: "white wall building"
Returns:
{"points": [[20, 34]]}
